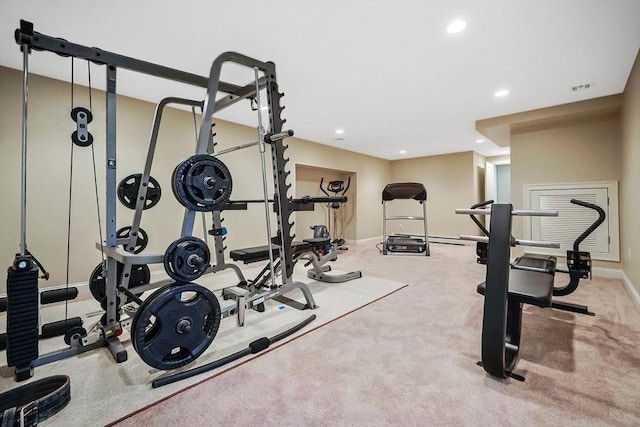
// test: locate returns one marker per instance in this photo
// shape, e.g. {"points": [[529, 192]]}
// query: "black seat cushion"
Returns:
{"points": [[528, 287], [318, 242], [261, 253], [536, 262]]}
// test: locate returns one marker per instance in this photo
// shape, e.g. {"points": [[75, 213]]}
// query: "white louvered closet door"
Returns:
{"points": [[572, 220]]}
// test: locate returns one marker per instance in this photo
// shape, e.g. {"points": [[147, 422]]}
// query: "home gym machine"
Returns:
{"points": [[405, 243], [578, 262], [506, 290], [335, 209], [179, 320]]}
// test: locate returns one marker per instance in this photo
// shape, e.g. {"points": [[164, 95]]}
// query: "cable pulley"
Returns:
{"points": [[187, 259], [81, 136], [202, 183], [175, 325], [130, 186]]}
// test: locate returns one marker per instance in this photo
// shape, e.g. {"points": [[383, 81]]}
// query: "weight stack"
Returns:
{"points": [[22, 321]]}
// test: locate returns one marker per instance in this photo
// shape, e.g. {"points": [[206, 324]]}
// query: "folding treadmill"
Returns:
{"points": [[405, 243]]}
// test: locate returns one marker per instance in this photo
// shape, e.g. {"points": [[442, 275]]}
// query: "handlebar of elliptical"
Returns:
{"points": [[591, 229], [347, 187], [336, 190], [330, 199]]}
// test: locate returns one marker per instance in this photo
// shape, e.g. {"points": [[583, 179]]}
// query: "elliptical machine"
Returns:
{"points": [[335, 225]]}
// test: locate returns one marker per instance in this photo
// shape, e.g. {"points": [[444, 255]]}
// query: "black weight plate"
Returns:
{"points": [[208, 183], [177, 258], [178, 186], [77, 332], [140, 275], [141, 239], [202, 183], [129, 187], [175, 325], [103, 318]]}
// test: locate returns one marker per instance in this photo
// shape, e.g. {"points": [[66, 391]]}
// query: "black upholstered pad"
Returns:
{"points": [[528, 287], [539, 262], [261, 253], [318, 242]]}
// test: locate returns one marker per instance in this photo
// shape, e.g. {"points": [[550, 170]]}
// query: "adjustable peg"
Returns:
{"points": [[274, 137]]}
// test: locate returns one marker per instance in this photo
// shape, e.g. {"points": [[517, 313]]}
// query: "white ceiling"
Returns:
{"points": [[386, 72]]}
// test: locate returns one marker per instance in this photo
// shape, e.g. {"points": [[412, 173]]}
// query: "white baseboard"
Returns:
{"points": [[376, 240], [608, 273], [614, 273], [369, 241], [633, 292]]}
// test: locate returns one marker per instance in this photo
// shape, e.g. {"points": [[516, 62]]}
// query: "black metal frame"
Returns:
{"points": [[501, 319]]}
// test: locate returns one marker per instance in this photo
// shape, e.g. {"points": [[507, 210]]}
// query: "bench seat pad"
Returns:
{"points": [[528, 287]]}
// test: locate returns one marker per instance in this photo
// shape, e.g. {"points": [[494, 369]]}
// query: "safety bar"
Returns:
{"points": [[514, 212], [278, 136], [534, 243]]}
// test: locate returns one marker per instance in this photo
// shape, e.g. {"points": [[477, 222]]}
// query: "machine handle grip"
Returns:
{"points": [[592, 228]]}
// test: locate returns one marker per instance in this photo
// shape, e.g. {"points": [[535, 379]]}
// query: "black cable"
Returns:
{"points": [[254, 347], [66, 310]]}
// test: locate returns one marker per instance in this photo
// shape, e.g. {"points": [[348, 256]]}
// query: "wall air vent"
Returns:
{"points": [[582, 87]]}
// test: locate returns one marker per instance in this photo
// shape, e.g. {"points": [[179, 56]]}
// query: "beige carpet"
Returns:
{"points": [[103, 391], [408, 359]]}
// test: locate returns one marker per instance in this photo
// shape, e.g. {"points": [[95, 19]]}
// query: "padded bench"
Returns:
{"points": [[528, 287], [536, 262], [261, 253]]}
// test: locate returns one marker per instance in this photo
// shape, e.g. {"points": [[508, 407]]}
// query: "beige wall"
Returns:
{"points": [[308, 184], [630, 186], [575, 152], [50, 127], [49, 147], [371, 175], [604, 149], [449, 180]]}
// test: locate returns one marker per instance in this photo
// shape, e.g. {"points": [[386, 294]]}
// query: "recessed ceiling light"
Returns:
{"points": [[501, 93], [479, 141], [403, 151], [456, 26], [340, 131]]}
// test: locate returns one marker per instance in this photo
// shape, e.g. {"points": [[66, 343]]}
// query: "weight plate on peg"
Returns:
{"points": [[202, 183], [140, 275], [74, 334], [187, 258], [103, 318], [175, 325], [129, 187], [140, 243]]}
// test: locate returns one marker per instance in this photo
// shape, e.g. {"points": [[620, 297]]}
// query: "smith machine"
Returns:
{"points": [[178, 321]]}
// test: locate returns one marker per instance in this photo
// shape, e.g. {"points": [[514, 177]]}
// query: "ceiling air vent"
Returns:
{"points": [[582, 87]]}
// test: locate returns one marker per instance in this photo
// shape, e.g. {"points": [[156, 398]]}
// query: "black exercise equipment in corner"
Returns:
{"points": [[335, 208], [405, 244]]}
